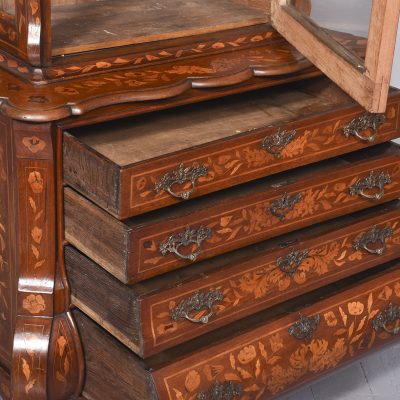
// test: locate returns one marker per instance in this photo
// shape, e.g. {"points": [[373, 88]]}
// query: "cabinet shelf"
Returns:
{"points": [[91, 25]]}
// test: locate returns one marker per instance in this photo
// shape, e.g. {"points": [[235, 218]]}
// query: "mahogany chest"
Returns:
{"points": [[233, 262]]}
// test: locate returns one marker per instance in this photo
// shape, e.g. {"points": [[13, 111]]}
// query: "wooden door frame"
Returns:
{"points": [[367, 82]]}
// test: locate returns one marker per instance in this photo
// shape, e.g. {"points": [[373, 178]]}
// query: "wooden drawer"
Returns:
{"points": [[259, 357], [152, 316], [142, 164], [155, 243]]}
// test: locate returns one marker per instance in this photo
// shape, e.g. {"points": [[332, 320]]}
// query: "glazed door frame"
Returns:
{"points": [[366, 81]]}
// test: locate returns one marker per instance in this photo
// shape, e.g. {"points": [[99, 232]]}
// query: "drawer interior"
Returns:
{"points": [[133, 140]]}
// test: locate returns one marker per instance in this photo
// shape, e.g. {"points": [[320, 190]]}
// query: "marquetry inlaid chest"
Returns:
{"points": [[189, 208]]}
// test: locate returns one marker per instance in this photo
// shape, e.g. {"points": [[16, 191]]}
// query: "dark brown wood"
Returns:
{"points": [[274, 61], [58, 100], [5, 384], [34, 194], [117, 165], [7, 266], [66, 371], [40, 352], [236, 217], [28, 266], [249, 279], [264, 357]]}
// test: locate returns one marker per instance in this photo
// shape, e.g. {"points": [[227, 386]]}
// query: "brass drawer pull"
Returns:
{"points": [[371, 237], [280, 207], [291, 263], [388, 316], [305, 327], [180, 176], [366, 122], [276, 143], [196, 303], [227, 390], [186, 238], [375, 180]]}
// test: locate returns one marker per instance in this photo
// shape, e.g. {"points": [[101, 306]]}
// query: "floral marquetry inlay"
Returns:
{"points": [[36, 184], [34, 304], [241, 223], [250, 157], [30, 360], [264, 281], [62, 358], [275, 361], [34, 144], [164, 55]]}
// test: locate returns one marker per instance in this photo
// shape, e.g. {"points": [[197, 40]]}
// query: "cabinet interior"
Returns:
{"points": [[84, 25]]}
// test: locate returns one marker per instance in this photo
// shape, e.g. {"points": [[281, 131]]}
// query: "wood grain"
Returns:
{"points": [[236, 217], [117, 165], [189, 376], [7, 273], [85, 26], [140, 315]]}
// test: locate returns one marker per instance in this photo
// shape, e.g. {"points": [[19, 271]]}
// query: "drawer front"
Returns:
{"points": [[131, 188], [250, 156], [204, 234], [290, 351], [243, 288]]}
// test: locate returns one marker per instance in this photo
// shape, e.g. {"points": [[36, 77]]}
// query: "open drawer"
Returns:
{"points": [[141, 164], [259, 357], [158, 242], [177, 307]]}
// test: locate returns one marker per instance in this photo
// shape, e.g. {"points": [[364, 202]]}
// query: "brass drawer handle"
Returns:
{"points": [[227, 390], [388, 316], [196, 303], [291, 263], [305, 327], [276, 143], [375, 180], [280, 207], [371, 237], [189, 236], [180, 176], [366, 122]]}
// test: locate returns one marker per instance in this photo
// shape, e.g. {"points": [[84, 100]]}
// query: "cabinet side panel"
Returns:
{"points": [[6, 281]]}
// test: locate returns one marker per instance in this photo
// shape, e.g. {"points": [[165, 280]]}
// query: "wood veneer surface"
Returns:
{"points": [[106, 357], [142, 138], [89, 25], [131, 310]]}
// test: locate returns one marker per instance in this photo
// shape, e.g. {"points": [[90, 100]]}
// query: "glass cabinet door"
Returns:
{"points": [[322, 31]]}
